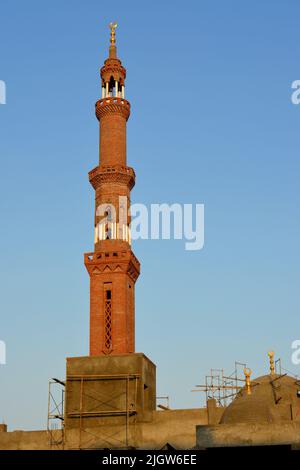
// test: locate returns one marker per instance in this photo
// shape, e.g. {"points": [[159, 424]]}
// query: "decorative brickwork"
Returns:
{"points": [[108, 320], [113, 68], [115, 106], [112, 174]]}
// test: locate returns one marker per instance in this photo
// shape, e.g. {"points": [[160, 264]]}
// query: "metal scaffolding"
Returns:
{"points": [[223, 388], [104, 407], [55, 418], [166, 405]]}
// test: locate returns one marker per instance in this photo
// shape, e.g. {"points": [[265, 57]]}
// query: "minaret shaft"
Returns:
{"points": [[113, 138]]}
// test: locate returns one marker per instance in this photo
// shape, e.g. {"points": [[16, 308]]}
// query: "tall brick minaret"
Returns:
{"points": [[112, 267]]}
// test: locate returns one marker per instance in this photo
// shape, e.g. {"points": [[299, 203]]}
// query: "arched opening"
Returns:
{"points": [[108, 215], [111, 86]]}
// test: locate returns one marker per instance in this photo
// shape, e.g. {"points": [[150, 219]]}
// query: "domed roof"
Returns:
{"points": [[273, 398]]}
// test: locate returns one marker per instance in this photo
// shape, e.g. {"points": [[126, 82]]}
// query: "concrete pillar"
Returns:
{"points": [[212, 412]]}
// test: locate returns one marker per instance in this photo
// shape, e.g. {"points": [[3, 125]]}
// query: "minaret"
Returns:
{"points": [[125, 380], [112, 267]]}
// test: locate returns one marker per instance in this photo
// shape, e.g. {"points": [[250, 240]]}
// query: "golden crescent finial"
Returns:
{"points": [[248, 373], [113, 27], [271, 355]]}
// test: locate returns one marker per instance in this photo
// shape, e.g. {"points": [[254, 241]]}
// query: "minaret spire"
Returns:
{"points": [[112, 47]]}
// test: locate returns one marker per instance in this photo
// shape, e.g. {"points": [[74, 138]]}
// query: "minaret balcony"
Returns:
{"points": [[112, 174], [116, 256], [112, 105]]}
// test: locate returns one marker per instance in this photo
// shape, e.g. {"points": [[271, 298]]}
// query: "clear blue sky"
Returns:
{"points": [[212, 122]]}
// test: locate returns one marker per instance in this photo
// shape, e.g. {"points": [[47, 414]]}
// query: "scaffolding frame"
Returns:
{"points": [[129, 412], [223, 388], [55, 417], [278, 366], [160, 405]]}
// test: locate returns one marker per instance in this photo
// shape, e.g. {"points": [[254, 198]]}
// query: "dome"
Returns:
{"points": [[272, 400]]}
